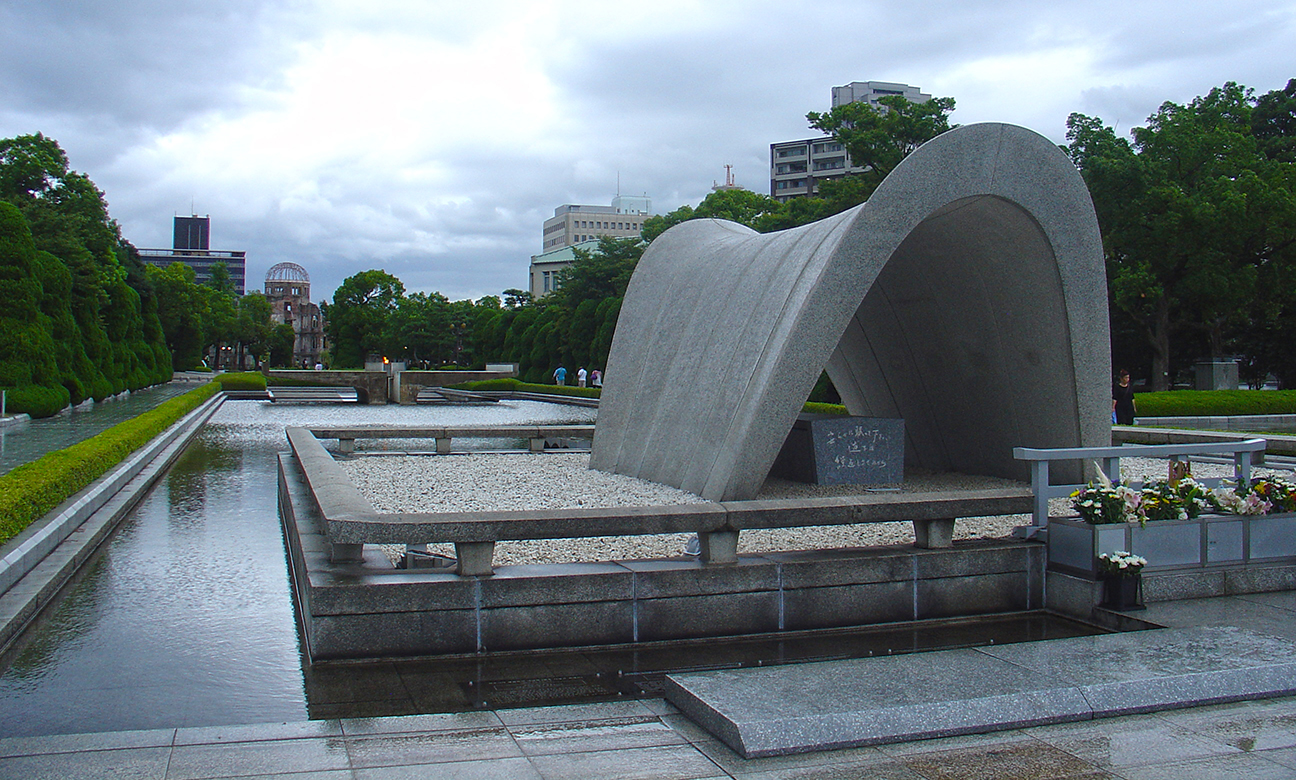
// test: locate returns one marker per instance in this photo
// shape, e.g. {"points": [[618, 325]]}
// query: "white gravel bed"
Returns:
{"points": [[482, 482], [487, 482], [495, 481]]}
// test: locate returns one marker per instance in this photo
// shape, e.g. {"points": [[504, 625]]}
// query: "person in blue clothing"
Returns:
{"points": [[560, 376]]}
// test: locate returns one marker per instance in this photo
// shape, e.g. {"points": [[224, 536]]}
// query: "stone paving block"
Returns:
{"points": [[610, 734], [431, 748], [760, 712], [765, 712], [671, 762], [195, 762], [495, 769], [1149, 670], [88, 765]]}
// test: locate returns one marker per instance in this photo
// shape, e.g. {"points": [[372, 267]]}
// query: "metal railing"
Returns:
{"points": [[1245, 453]]}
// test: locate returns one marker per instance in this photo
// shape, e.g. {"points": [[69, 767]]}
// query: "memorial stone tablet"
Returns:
{"points": [[837, 450]]}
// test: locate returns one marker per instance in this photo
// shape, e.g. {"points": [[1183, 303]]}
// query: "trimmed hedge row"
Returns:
{"points": [[241, 380], [513, 385], [1195, 403], [34, 489]]}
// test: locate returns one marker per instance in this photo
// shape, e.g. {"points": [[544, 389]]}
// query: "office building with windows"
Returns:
{"points": [[572, 224], [543, 273], [191, 246], [797, 167]]}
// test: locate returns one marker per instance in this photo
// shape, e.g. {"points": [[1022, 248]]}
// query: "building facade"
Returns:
{"points": [[191, 246], [287, 288], [797, 167], [543, 274], [572, 224]]}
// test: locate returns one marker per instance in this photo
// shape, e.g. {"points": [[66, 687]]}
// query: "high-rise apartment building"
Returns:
{"points": [[797, 167], [571, 224], [191, 247]]}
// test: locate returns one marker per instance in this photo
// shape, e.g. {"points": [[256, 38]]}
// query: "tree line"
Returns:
{"points": [[83, 316]]}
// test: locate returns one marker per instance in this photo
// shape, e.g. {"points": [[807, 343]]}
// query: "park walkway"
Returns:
{"points": [[650, 739]]}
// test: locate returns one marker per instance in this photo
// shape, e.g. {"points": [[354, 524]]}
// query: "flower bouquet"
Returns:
{"points": [[1122, 582], [1120, 563]]}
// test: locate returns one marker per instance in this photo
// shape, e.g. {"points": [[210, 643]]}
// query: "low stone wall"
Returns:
{"points": [[367, 609]]}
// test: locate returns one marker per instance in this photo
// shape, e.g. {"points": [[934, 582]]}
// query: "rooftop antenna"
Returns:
{"points": [[618, 184]]}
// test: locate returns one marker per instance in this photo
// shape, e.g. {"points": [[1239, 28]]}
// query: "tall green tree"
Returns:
{"points": [[357, 317], [879, 137], [113, 305], [1194, 217], [180, 310], [28, 373]]}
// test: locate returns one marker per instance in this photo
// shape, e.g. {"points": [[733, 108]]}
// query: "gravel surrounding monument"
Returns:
{"points": [[967, 296]]}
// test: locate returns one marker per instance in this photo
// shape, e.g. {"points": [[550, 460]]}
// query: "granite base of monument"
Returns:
{"points": [[827, 449]]}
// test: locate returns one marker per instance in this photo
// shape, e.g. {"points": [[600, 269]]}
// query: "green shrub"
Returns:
{"points": [[34, 489], [814, 407], [35, 400], [278, 381], [513, 385], [1200, 403], [245, 380]]}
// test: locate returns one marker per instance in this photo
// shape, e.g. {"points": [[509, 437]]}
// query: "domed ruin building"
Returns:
{"points": [[287, 287]]}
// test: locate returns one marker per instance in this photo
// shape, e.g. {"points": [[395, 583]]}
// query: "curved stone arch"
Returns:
{"points": [[968, 295]]}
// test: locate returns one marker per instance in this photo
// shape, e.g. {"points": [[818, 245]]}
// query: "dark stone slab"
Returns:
{"points": [[730, 614], [825, 449], [690, 577], [787, 709], [851, 605], [556, 584], [557, 625]]}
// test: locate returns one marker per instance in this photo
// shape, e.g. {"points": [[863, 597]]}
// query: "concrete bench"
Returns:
{"points": [[313, 395], [535, 434], [351, 521]]}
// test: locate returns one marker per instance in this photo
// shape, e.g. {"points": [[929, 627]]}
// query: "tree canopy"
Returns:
{"points": [[96, 324], [1198, 223]]}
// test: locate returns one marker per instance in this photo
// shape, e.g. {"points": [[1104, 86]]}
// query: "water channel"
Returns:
{"points": [[185, 616]]}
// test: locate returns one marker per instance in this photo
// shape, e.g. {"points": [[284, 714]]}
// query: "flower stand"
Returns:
{"points": [[1123, 593]]}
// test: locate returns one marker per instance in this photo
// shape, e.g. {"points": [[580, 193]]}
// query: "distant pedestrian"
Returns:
{"points": [[1123, 407], [560, 376], [596, 378], [580, 376]]}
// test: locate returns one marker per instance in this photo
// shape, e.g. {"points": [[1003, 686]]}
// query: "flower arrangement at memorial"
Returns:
{"points": [[1265, 495], [1108, 503], [1180, 499], [1120, 563]]}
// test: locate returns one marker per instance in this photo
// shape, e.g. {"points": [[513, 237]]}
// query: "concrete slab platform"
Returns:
{"points": [[789, 709]]}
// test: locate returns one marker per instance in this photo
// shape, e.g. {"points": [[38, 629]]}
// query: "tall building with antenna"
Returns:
{"points": [[191, 245]]}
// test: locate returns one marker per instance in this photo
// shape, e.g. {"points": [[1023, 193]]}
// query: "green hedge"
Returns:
{"points": [[34, 489], [276, 381], [244, 380], [813, 407], [513, 385], [1196, 403]]}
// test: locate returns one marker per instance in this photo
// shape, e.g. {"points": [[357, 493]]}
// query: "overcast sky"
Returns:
{"points": [[431, 138]]}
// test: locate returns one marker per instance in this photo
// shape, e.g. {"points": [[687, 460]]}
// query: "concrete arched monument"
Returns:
{"points": [[967, 296]]}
